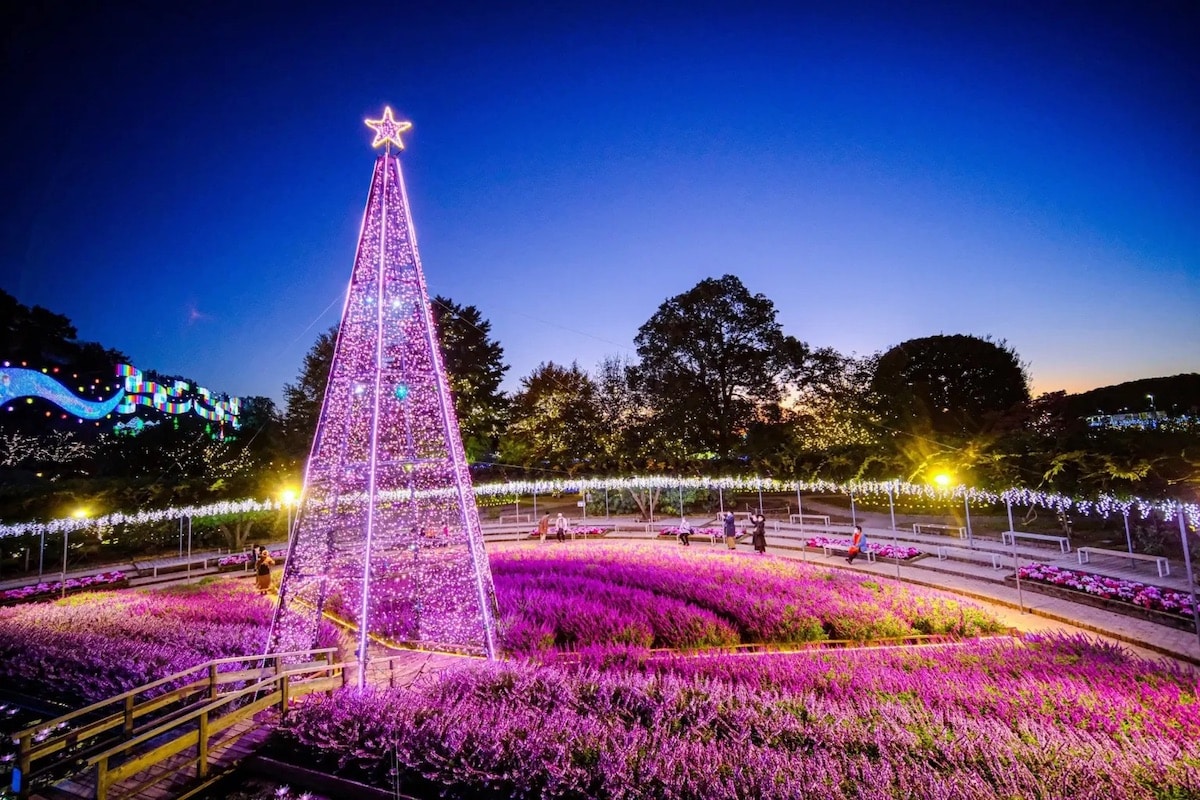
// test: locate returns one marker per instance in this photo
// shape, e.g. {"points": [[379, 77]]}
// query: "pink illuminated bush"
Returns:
{"points": [[1057, 717]]}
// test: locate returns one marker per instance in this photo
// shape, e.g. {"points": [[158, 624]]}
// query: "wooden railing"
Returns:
{"points": [[119, 716], [201, 728]]}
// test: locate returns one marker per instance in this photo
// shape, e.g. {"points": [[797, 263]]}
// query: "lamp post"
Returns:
{"points": [[943, 480], [289, 497], [895, 533], [80, 513], [1016, 558]]}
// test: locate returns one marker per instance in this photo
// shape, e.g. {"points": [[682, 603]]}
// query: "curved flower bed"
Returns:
{"points": [[49, 591], [978, 721], [901, 552], [621, 598], [90, 647], [1154, 598], [576, 532]]}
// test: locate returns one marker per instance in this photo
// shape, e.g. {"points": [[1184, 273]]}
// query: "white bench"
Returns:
{"points": [[1084, 555], [830, 549], [1010, 537], [962, 532], [943, 552], [801, 517]]}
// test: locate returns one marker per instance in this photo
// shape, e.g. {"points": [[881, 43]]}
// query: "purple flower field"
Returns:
{"points": [[1038, 718], [631, 597], [92, 646]]}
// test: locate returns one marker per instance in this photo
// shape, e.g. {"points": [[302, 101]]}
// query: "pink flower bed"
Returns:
{"points": [[46, 590], [577, 532], [880, 550], [240, 559], [1135, 592], [673, 531]]}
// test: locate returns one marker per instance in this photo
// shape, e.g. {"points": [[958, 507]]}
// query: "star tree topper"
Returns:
{"points": [[388, 130]]}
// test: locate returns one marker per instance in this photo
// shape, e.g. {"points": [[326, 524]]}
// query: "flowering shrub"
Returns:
{"points": [[673, 531], [42, 591], [631, 597], [984, 719], [92, 646], [880, 550], [1135, 592], [577, 532], [240, 559]]}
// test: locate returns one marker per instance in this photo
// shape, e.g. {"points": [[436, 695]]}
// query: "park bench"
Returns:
{"points": [[1010, 537], [943, 553], [832, 548], [1084, 555], [948, 529], [801, 517]]}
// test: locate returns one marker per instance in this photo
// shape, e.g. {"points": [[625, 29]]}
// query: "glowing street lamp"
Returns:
{"points": [[289, 499], [944, 480]]}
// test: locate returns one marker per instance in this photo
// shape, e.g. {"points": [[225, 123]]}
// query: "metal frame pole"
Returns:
{"points": [[967, 510], [1016, 559], [1187, 563], [66, 543]]}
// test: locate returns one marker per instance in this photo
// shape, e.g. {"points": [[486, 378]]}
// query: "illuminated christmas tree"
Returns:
{"points": [[387, 536]]}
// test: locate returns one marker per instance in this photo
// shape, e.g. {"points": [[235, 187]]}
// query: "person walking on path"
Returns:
{"points": [[544, 526], [760, 531], [560, 527], [262, 571], [858, 543], [730, 523]]}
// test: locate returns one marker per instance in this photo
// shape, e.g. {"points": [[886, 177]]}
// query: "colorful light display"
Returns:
{"points": [[178, 398], [388, 534]]}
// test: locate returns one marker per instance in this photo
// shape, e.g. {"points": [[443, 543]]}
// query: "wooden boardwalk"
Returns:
{"points": [[177, 776]]}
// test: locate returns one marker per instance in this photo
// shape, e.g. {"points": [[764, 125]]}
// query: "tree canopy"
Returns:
{"points": [[951, 386], [714, 360]]}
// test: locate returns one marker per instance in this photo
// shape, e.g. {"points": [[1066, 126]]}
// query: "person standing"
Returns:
{"points": [[730, 523], [544, 526], [262, 571], [560, 527], [858, 541], [759, 537]]}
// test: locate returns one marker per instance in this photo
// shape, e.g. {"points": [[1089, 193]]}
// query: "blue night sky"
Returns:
{"points": [[185, 181]]}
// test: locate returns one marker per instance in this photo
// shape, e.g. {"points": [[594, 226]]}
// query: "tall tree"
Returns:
{"points": [[714, 360], [474, 366], [950, 386], [303, 399], [554, 420]]}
